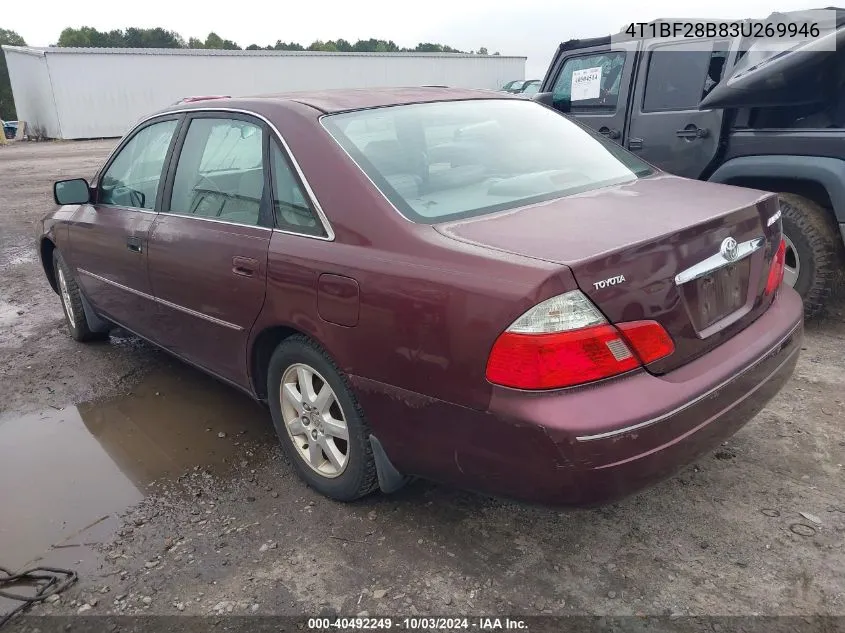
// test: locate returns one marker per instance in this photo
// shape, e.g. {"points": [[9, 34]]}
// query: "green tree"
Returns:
{"points": [[482, 51], [193, 42], [253, 47], [283, 46], [132, 37], [7, 102]]}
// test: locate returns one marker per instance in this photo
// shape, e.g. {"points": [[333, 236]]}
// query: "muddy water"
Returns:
{"points": [[66, 474]]}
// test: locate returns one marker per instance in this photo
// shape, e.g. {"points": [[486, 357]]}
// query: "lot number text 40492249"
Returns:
{"points": [[417, 624]]}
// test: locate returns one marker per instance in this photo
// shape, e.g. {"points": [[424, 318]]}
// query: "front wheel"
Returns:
{"points": [[71, 297], [814, 258], [319, 422]]}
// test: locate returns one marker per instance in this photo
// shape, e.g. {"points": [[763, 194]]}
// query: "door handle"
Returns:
{"points": [[635, 143], [692, 132], [609, 133], [244, 266], [135, 244]]}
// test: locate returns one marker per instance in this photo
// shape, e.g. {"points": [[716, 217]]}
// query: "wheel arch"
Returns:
{"points": [[819, 179], [45, 250], [264, 343]]}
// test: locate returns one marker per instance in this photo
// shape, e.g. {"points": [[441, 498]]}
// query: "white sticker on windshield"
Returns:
{"points": [[586, 84]]}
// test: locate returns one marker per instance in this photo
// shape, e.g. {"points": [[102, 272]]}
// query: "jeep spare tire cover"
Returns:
{"points": [[769, 74]]}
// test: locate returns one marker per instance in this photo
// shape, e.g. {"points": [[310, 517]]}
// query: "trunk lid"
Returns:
{"points": [[627, 246]]}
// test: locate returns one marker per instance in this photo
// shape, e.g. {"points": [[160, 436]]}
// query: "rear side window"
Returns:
{"points": [[591, 81], [220, 173], [292, 209], [680, 75], [132, 178]]}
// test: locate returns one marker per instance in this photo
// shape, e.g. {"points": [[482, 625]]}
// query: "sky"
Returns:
{"points": [[531, 28]]}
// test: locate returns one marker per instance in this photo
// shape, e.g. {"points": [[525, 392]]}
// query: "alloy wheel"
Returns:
{"points": [[792, 264], [314, 420]]}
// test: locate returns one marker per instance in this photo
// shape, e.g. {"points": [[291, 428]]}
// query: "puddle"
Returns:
{"points": [[66, 474]]}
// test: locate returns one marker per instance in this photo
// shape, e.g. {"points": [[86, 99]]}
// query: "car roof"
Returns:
{"points": [[344, 99]]}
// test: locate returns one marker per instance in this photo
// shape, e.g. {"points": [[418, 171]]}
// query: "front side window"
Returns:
{"points": [[591, 81], [444, 161], [220, 173], [132, 178]]}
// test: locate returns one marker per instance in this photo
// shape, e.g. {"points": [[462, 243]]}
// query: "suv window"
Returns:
{"points": [[133, 176], [591, 81], [293, 212], [220, 173], [680, 75]]}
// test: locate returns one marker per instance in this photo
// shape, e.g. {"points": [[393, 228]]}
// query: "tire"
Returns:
{"points": [[816, 247], [292, 361], [71, 299]]}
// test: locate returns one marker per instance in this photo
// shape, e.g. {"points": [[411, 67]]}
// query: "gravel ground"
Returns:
{"points": [[175, 498]]}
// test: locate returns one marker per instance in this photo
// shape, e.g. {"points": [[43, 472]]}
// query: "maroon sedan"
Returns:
{"points": [[463, 286]]}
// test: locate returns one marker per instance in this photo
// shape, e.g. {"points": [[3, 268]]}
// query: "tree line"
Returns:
{"points": [[87, 36], [132, 37]]}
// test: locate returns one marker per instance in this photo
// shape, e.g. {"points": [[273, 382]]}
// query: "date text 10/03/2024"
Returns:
{"points": [[417, 624]]}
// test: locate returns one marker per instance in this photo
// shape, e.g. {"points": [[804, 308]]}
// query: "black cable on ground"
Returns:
{"points": [[45, 580]]}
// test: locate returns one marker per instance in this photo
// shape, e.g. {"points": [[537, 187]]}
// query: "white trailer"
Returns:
{"points": [[75, 93]]}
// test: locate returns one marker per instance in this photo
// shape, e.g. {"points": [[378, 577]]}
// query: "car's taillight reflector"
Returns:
{"points": [[563, 359], [776, 270], [648, 339], [566, 341]]}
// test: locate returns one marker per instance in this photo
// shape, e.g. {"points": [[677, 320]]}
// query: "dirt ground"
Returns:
{"points": [[166, 489]]}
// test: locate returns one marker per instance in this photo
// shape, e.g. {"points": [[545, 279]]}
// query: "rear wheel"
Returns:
{"points": [[69, 293], [319, 422], [813, 251]]}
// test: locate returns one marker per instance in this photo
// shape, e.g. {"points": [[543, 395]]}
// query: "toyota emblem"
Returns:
{"points": [[729, 249]]}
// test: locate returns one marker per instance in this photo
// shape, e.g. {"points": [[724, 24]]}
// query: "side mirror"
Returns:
{"points": [[75, 191], [546, 98]]}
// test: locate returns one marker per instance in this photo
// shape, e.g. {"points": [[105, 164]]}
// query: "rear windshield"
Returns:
{"points": [[449, 160]]}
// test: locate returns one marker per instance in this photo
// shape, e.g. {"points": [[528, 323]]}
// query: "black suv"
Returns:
{"points": [[777, 125]]}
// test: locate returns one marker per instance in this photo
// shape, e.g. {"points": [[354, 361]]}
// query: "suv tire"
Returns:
{"points": [[816, 250]]}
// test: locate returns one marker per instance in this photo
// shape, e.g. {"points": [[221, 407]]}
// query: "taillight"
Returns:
{"points": [[648, 338], [776, 270], [565, 341]]}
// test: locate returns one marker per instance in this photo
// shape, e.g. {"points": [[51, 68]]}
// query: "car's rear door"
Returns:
{"points": [[208, 247], [593, 85], [666, 126], [108, 238]]}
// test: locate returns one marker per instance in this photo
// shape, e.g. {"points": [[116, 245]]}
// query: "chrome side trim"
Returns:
{"points": [[199, 217], [120, 208], [717, 261], [330, 234], [169, 304], [704, 396]]}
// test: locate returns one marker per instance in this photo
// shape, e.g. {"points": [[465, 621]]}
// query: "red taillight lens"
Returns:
{"points": [[566, 341], [776, 271], [561, 359], [648, 339]]}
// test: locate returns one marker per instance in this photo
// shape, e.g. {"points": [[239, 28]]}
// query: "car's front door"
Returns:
{"points": [[108, 238], [666, 127], [208, 247], [593, 84]]}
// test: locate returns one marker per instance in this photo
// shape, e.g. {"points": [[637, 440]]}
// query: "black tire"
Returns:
{"points": [[77, 323], [359, 477], [818, 245]]}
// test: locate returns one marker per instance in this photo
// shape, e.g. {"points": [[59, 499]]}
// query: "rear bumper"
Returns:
{"points": [[598, 443]]}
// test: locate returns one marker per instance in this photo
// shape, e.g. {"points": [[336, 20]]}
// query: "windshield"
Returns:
{"points": [[449, 160]]}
